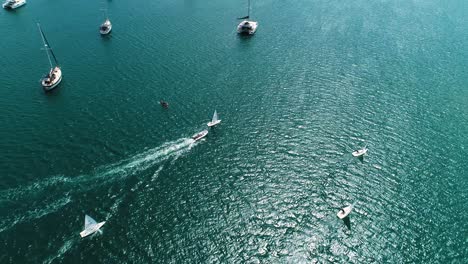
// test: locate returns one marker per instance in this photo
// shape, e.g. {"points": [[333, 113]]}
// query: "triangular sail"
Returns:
{"points": [[215, 117], [89, 221]]}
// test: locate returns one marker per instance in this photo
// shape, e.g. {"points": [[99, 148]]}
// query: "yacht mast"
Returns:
{"points": [[46, 47]]}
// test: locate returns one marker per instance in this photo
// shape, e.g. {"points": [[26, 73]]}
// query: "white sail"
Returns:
{"points": [[214, 120], [215, 117], [91, 226], [88, 221]]}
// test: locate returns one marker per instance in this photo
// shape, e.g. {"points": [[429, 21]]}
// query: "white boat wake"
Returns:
{"points": [[36, 202]]}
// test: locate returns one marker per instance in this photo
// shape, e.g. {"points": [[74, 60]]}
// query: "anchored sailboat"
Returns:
{"points": [[54, 77], [105, 27], [214, 120], [247, 26]]}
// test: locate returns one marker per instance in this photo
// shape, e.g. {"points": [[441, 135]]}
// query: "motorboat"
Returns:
{"points": [[345, 212], [247, 27], [200, 135], [214, 120], [13, 4], [91, 226], [54, 76], [105, 27], [360, 153]]}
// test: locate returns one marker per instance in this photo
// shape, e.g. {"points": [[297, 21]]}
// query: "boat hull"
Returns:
{"points": [[14, 6], [50, 86], [241, 29], [344, 212], [200, 135], [211, 124], [106, 32], [105, 28], [359, 153], [91, 230]]}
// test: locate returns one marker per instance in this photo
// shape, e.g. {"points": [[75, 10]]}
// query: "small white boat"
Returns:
{"points": [[54, 76], [247, 26], [91, 226], [344, 212], [361, 152], [105, 27], [214, 120], [200, 135], [13, 4]]}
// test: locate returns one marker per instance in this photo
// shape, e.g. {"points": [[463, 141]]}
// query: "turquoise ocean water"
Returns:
{"points": [[319, 79]]}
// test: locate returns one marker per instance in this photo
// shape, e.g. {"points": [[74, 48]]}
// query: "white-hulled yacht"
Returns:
{"points": [[13, 4], [105, 27], [54, 76], [247, 26]]}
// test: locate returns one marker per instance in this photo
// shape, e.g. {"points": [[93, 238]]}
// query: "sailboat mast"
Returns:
{"points": [[46, 47]]}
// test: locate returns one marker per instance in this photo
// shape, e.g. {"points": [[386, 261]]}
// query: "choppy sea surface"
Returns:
{"points": [[320, 79]]}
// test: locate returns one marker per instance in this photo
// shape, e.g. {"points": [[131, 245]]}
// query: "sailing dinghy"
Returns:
{"points": [[91, 226], [54, 77], [361, 152], [344, 212], [214, 120]]}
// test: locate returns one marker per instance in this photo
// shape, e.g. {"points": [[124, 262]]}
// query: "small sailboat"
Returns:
{"points": [[214, 120], [91, 226], [247, 26], [13, 4], [54, 77], [360, 152], [344, 212], [105, 27], [200, 135]]}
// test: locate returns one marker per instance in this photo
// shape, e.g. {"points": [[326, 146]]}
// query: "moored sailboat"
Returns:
{"points": [[105, 27], [54, 76], [247, 26]]}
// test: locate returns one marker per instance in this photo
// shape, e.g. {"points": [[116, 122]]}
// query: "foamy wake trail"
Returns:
{"points": [[64, 248], [8, 222], [28, 195]]}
